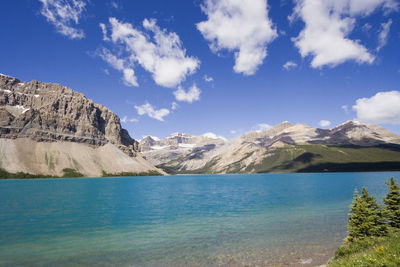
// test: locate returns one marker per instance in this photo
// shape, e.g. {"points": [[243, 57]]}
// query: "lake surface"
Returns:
{"points": [[204, 220]]}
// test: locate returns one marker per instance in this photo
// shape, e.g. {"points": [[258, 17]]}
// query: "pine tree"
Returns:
{"points": [[376, 216], [392, 203], [365, 217]]}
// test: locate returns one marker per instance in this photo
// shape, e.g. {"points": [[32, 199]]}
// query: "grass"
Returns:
{"points": [[125, 174], [71, 173], [319, 158], [174, 167], [306, 158], [376, 251], [21, 175]]}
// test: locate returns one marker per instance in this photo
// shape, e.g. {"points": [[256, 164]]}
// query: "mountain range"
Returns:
{"points": [[286, 147], [51, 130]]}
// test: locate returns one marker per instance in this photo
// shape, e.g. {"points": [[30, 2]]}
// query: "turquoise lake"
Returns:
{"points": [[196, 220]]}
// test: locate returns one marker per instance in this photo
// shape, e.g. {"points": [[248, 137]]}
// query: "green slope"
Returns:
{"points": [[374, 251], [308, 158], [318, 158]]}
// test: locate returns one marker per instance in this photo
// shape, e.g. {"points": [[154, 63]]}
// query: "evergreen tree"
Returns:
{"points": [[392, 202], [365, 217], [376, 216]]}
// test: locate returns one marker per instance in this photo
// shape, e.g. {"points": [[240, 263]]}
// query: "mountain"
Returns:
{"points": [[287, 147], [48, 128], [176, 146]]}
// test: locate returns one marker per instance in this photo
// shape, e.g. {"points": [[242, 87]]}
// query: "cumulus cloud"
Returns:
{"points": [[174, 105], [345, 108], [261, 127], [104, 31], [120, 64], [115, 5], [152, 112], [366, 27], [63, 14], [324, 123], [384, 107], [193, 94], [125, 119], [208, 78], [383, 34], [289, 65], [241, 27], [159, 52], [328, 23], [213, 136]]}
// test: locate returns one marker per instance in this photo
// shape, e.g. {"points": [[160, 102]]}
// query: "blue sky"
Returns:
{"points": [[342, 60]]}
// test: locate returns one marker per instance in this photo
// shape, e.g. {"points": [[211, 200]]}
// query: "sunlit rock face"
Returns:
{"points": [[52, 113]]}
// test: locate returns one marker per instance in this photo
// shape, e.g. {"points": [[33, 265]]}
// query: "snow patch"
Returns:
{"points": [[5, 90], [308, 261], [36, 96], [158, 147], [22, 108], [155, 138], [187, 145], [176, 134], [1, 74]]}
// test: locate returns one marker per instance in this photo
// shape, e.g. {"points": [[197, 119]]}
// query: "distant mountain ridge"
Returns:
{"points": [[282, 148], [45, 128]]}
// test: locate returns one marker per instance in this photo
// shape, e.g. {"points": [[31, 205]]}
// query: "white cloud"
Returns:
{"points": [[125, 119], [384, 107], [213, 136], [162, 54], [115, 5], [208, 78], [233, 131], [324, 123], [345, 108], [366, 27], [289, 65], [328, 23], [64, 13], [174, 105], [193, 94], [149, 110], [261, 127], [122, 65], [241, 27], [383, 34], [104, 31]]}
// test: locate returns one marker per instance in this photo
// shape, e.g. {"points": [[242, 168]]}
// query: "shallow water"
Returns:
{"points": [[265, 219]]}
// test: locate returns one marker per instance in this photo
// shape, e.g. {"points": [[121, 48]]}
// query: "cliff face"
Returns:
{"points": [[46, 113], [51, 112]]}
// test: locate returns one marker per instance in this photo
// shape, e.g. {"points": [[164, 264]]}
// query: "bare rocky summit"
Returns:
{"points": [[51, 113], [175, 146]]}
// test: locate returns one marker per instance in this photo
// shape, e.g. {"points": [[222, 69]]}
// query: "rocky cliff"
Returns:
{"points": [[41, 115]]}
